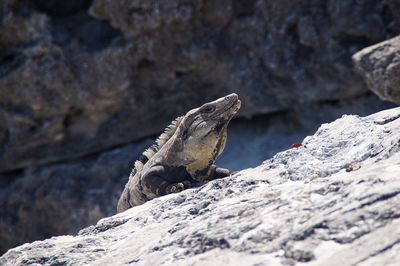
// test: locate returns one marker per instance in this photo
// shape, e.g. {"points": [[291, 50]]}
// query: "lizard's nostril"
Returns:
{"points": [[231, 97]]}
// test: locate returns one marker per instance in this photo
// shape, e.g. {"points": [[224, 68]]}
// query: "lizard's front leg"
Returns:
{"points": [[158, 182]]}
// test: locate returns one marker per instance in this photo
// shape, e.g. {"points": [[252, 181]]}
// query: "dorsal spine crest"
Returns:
{"points": [[153, 149]]}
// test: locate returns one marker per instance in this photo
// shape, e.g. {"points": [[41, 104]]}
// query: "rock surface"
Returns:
{"points": [[62, 198], [380, 65], [334, 200], [84, 84], [74, 76]]}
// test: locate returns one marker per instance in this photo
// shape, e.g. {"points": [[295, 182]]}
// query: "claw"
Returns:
{"points": [[178, 187]]}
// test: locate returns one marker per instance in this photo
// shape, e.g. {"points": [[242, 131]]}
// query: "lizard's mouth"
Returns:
{"points": [[227, 114], [230, 110]]}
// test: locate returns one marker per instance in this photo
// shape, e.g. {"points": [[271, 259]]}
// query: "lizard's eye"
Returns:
{"points": [[208, 109]]}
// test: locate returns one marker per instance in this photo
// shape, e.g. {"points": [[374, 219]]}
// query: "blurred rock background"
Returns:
{"points": [[86, 85]]}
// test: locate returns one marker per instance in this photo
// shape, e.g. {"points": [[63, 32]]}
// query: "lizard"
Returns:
{"points": [[183, 156]]}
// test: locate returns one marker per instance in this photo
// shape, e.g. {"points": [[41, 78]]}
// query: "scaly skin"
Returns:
{"points": [[184, 155]]}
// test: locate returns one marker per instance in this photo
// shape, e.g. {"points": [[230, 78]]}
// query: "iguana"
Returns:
{"points": [[183, 156]]}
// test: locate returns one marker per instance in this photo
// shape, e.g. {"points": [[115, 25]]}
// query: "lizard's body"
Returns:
{"points": [[183, 155]]}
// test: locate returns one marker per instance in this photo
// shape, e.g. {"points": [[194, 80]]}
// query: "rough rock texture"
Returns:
{"points": [[334, 200], [380, 65], [81, 80], [93, 73], [62, 198]]}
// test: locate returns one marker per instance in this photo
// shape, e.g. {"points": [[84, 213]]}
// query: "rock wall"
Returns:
{"points": [[81, 82], [380, 65], [333, 201], [93, 73]]}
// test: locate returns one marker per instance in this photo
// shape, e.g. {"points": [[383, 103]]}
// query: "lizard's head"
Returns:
{"points": [[203, 133]]}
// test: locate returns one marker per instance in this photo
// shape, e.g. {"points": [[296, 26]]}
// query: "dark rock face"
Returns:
{"points": [[80, 78], [380, 65], [94, 73]]}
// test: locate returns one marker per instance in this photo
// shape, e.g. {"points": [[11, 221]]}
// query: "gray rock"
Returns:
{"points": [[83, 82], [380, 66], [333, 200], [64, 197], [81, 77]]}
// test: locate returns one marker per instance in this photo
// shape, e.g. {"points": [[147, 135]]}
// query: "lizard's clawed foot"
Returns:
{"points": [[178, 187]]}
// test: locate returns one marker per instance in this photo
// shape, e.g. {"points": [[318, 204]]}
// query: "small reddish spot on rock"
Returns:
{"points": [[296, 145]]}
